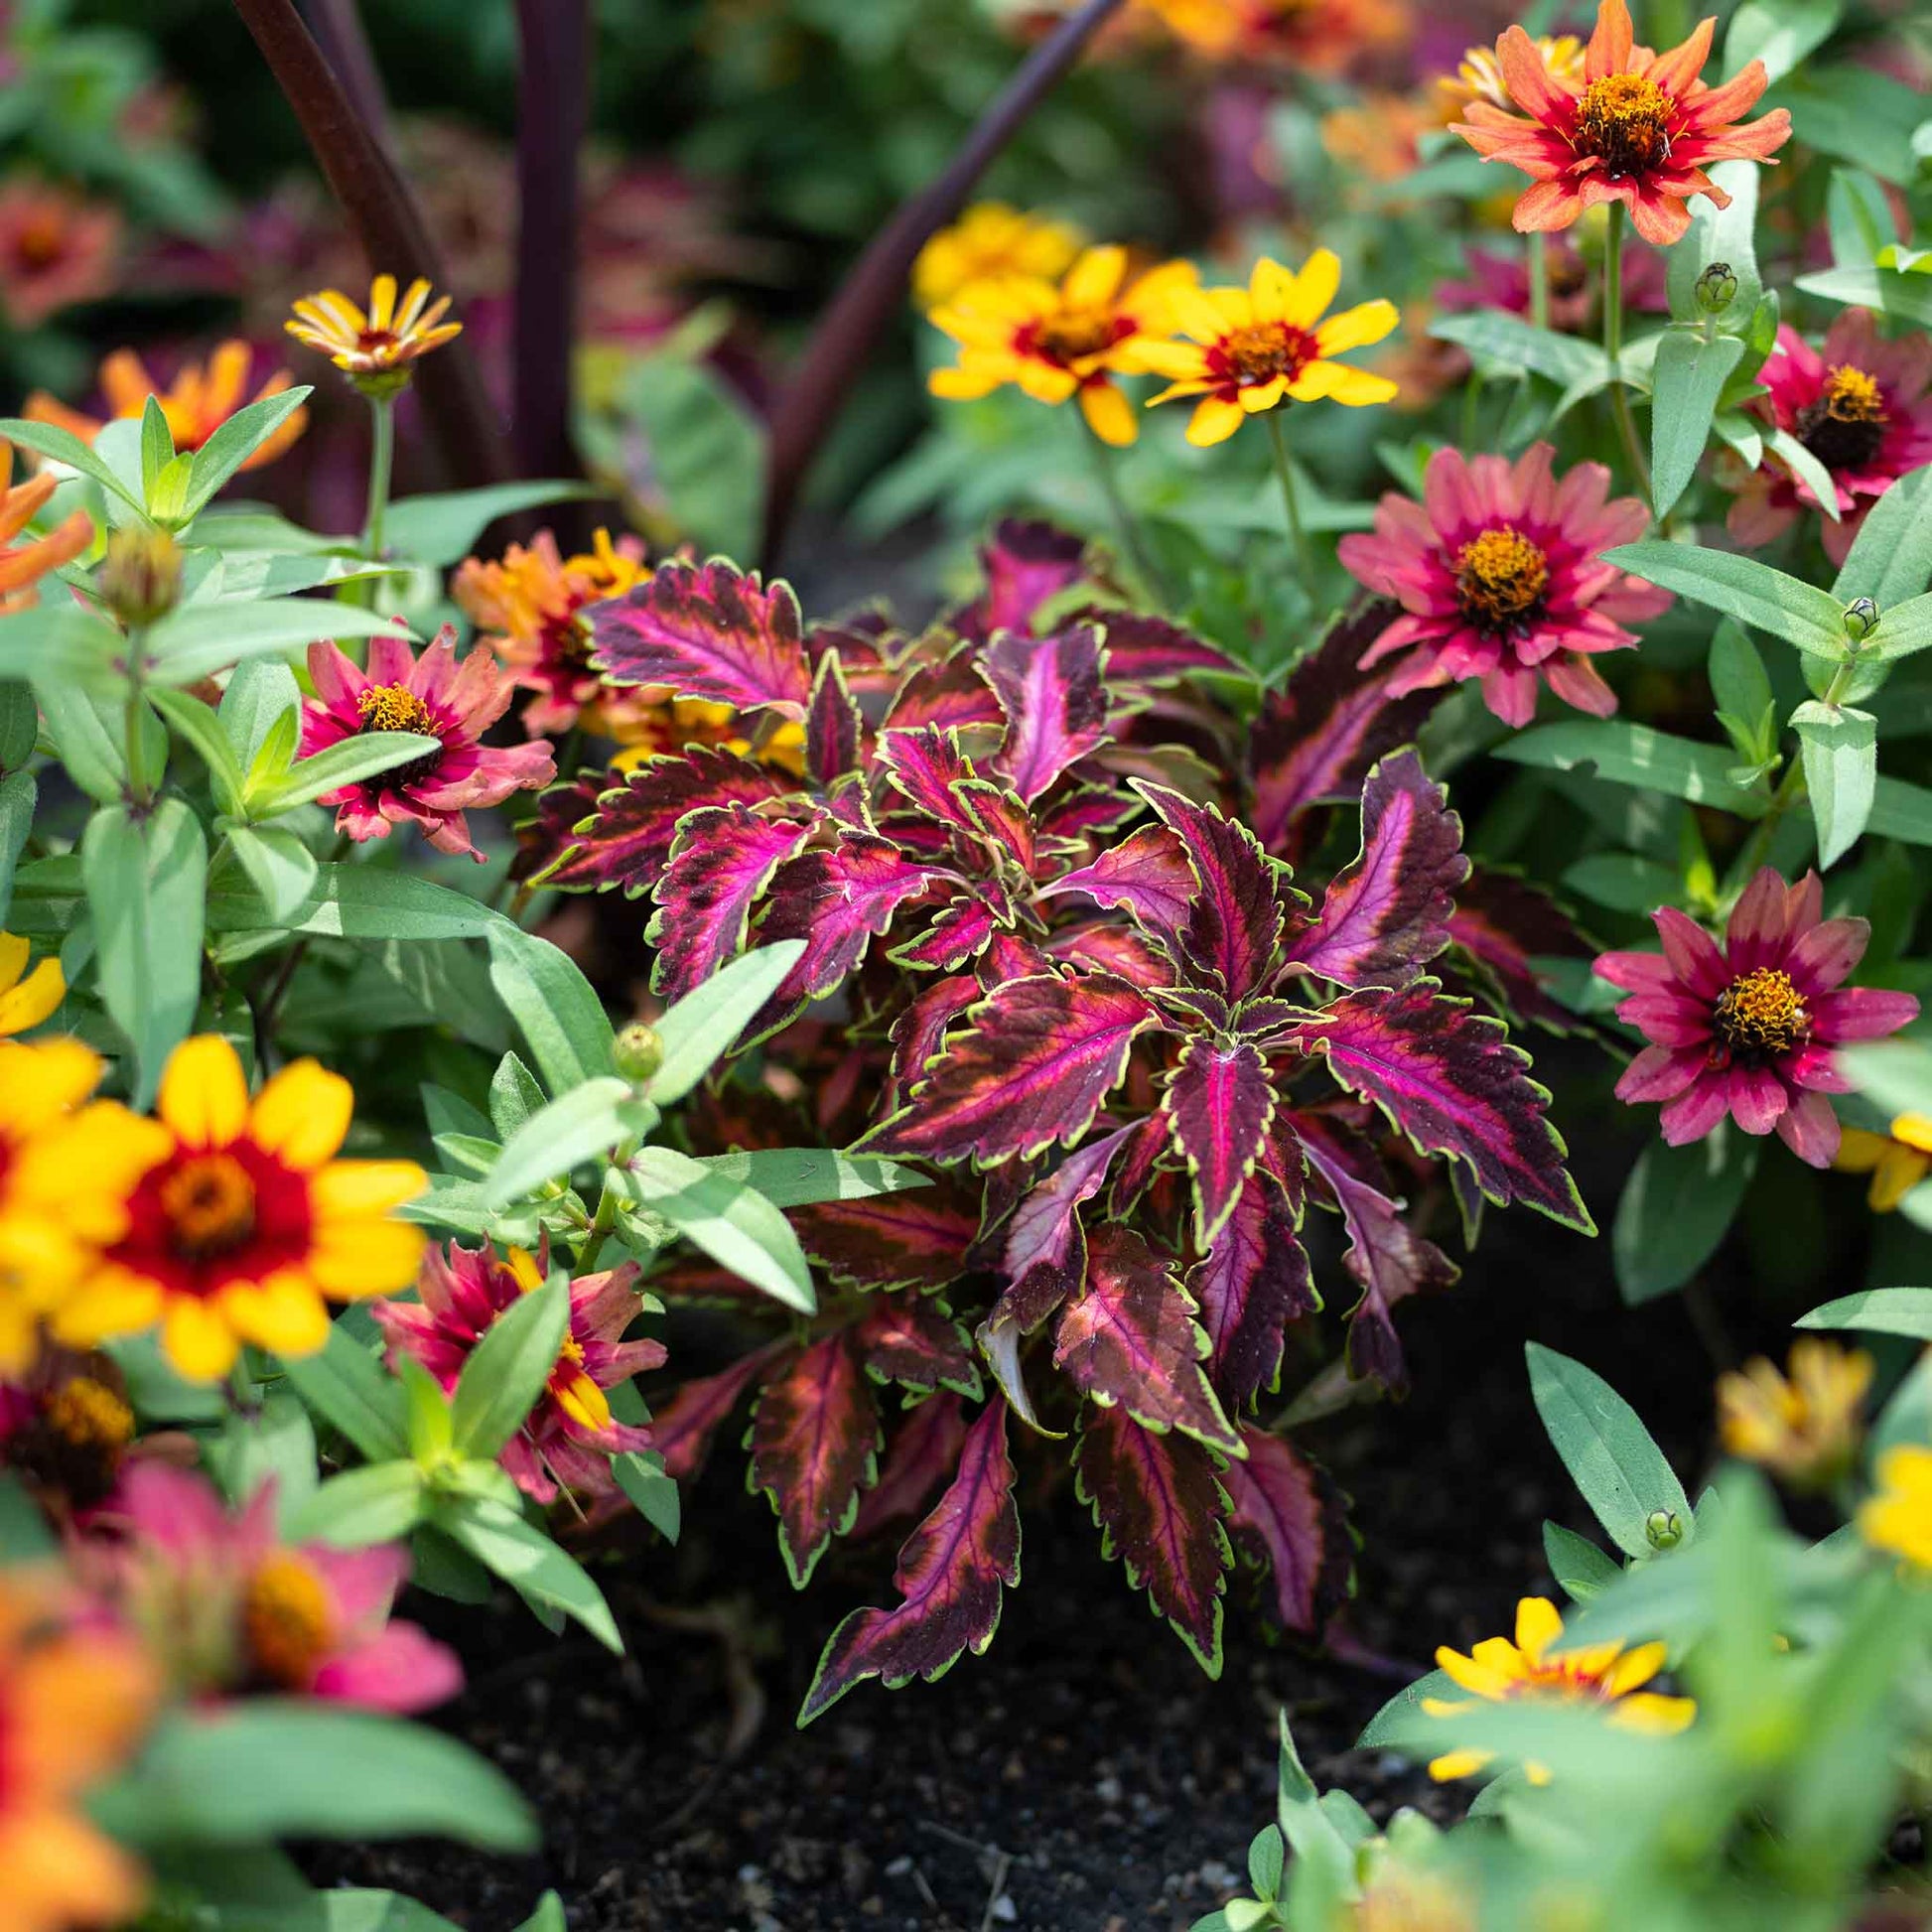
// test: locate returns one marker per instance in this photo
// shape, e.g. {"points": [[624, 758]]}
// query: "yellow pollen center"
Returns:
{"points": [[1265, 350], [286, 1619], [1851, 396], [88, 1415], [1076, 334], [210, 1202], [394, 708], [1762, 1015], [1625, 121], [1500, 576]]}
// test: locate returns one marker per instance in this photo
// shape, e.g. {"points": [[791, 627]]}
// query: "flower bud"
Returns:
{"points": [[140, 576], [1861, 619], [1716, 289], [636, 1053], [1663, 1529]]}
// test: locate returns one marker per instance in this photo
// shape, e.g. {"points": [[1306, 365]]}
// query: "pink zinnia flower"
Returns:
{"points": [[433, 695], [571, 1435], [1500, 573], [1503, 282], [226, 1606], [1860, 405], [1747, 1028]]}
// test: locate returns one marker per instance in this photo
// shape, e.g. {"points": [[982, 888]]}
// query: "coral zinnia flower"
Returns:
{"points": [[1861, 405], [1641, 129], [55, 249], [1898, 1517], [243, 1220], [225, 1605], [1606, 1673], [73, 1707], [989, 240], [1805, 1429], [531, 602], [381, 342], [196, 403], [1311, 36], [1500, 573], [1747, 1028], [570, 1437], [1268, 344], [1897, 1160], [440, 698], [1056, 340], [23, 565], [26, 1001]]}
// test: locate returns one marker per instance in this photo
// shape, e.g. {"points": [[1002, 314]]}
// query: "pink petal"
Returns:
{"points": [[391, 661], [1755, 935], [1860, 1013], [363, 1583], [1692, 953], [338, 680], [1815, 1068], [1641, 971], [1809, 1130], [1696, 1111], [1657, 1073], [1825, 955], [1668, 1017], [403, 1670], [1757, 1098]]}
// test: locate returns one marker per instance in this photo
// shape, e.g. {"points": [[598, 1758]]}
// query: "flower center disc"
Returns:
{"points": [[1500, 578], [1078, 334], [285, 1615], [87, 1415], [1762, 1015], [210, 1202], [1845, 425], [1264, 350], [1625, 121], [41, 243], [396, 708]]}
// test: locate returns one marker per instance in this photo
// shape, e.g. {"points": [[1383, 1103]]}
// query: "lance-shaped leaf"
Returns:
{"points": [[1044, 1253], [814, 1442], [1288, 1515], [708, 630], [918, 1033], [1386, 913], [1235, 922], [1026, 564], [1219, 1103], [1250, 1285], [949, 695], [1143, 649], [1003, 821], [925, 765], [1450, 1079], [1160, 1506], [1146, 1144], [916, 1239], [1148, 874], [1009, 957], [1054, 703], [914, 1341], [960, 932], [722, 862], [1132, 1340], [682, 1428], [921, 1455], [951, 1570], [622, 839], [834, 729], [1505, 925], [1316, 738], [1037, 1063], [1110, 947]]}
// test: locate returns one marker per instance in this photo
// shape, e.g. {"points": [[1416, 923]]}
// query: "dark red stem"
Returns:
{"points": [[337, 27]]}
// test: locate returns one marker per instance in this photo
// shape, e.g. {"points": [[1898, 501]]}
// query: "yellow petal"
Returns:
{"points": [[301, 1115], [1368, 322], [1859, 1151], [1213, 421], [111, 1301], [1109, 414], [34, 999], [1915, 1130], [1457, 1764], [1336, 382], [1899, 1170], [1315, 289], [382, 302], [1538, 1626], [1271, 289], [1196, 312], [585, 1402], [196, 1341], [203, 1096], [1634, 1668], [1258, 397], [1483, 1679], [962, 385], [44, 1081], [1043, 382], [1094, 280], [13, 959], [351, 1189], [283, 1315], [523, 1266], [1178, 361], [1654, 1716], [354, 1259]]}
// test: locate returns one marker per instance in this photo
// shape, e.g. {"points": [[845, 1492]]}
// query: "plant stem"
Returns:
{"points": [[1124, 525], [382, 458], [1791, 788], [1303, 556], [139, 790], [1540, 280], [1626, 423]]}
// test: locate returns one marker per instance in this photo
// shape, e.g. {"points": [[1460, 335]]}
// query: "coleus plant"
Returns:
{"points": [[1039, 861]]}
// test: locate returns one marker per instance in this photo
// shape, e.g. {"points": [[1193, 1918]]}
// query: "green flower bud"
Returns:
{"points": [[1716, 289], [1663, 1529], [1861, 619], [636, 1053], [140, 576]]}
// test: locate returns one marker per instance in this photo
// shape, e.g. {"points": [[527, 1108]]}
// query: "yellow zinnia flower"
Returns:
{"points": [[989, 240], [25, 1002], [1896, 1161], [381, 342], [1479, 75], [1056, 340], [1253, 349], [1498, 1671], [1806, 1429], [244, 1220], [1898, 1517]]}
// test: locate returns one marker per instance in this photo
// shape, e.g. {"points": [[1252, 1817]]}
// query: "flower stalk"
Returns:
{"points": [[1285, 475], [1626, 422]]}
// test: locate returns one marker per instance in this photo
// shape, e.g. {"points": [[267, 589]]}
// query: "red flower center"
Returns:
{"points": [[1843, 426], [210, 1204], [1761, 1017], [1624, 120], [1071, 336], [396, 708], [1261, 352], [379, 344], [1500, 579], [204, 1218], [286, 1616]]}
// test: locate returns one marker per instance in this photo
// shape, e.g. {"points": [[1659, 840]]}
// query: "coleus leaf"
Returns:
{"points": [[1026, 564], [1147, 1141], [1003, 819], [1144, 650], [1148, 874], [1110, 947], [915, 1239], [1288, 1516], [1007, 957], [1235, 922], [914, 1341], [815, 1442], [1387, 911], [722, 860], [948, 694], [834, 729], [1505, 924], [918, 1033], [921, 1455], [1449, 1078], [1044, 1253], [682, 1428], [1219, 1102], [1132, 1340], [926, 764], [1158, 1503], [1252, 1282], [960, 932], [707, 631], [951, 1570], [1037, 1063], [1054, 702]]}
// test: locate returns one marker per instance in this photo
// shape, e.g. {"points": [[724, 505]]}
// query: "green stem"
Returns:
{"points": [[1540, 280], [1626, 422], [606, 1218], [1285, 475], [1791, 788], [1124, 525], [382, 456]]}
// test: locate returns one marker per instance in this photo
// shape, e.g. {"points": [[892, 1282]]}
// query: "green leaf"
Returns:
{"points": [[514, 1096], [1907, 297], [279, 865], [63, 446], [275, 1444], [548, 1916], [202, 728], [1581, 1569], [1878, 1310], [1634, 755], [19, 794], [349, 761], [347, 1388], [1890, 559], [1841, 752], [1392, 1723], [61, 643], [1624, 882], [260, 696], [157, 446], [1688, 376], [377, 1504], [92, 754], [1808, 469], [1896, 1075], [737, 1228], [351, 902], [587, 1123], [237, 440], [1900, 811], [1619, 1472], [697, 1029], [1564, 360], [1780, 33], [20, 727], [642, 1478], [507, 1370], [1676, 1207], [553, 1003], [441, 529], [1744, 588], [534, 1567], [797, 1177], [1739, 680], [197, 640]]}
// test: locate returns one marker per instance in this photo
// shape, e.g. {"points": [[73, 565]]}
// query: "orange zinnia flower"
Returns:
{"points": [[55, 249], [23, 565], [1315, 36], [1640, 129], [196, 403]]}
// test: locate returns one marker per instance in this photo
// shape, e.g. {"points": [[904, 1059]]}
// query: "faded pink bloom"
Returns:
{"points": [[1503, 282], [1860, 404], [225, 1606], [571, 1435], [439, 697], [1748, 1026], [1500, 573]]}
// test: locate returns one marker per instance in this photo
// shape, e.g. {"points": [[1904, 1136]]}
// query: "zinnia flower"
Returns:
{"points": [[440, 698], [1897, 1159], [23, 565], [224, 1606], [1479, 73], [1861, 405], [1503, 282], [376, 346], [1311, 36], [1898, 1517], [243, 1221], [196, 403], [73, 1705], [1056, 340], [1747, 1028], [1640, 129], [55, 249], [1805, 1429], [26, 999], [1253, 349], [1607, 1673], [989, 240], [66, 1428], [649, 730], [1500, 573], [570, 1437]]}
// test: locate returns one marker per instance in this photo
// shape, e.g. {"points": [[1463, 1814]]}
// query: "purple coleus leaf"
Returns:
{"points": [[1148, 874], [1218, 1102], [918, 1035], [1505, 925], [1250, 1285], [951, 1570], [1044, 1253], [1132, 1340], [1387, 911], [914, 1341], [1003, 821], [1054, 702], [927, 766], [1234, 925], [917, 1238], [922, 1452], [1143, 649], [1107, 947], [1288, 1516], [1033, 1067], [945, 694], [682, 1428], [834, 729], [721, 860], [1026, 564], [1450, 1079], [1160, 1506], [960, 932], [814, 1442], [707, 631]]}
